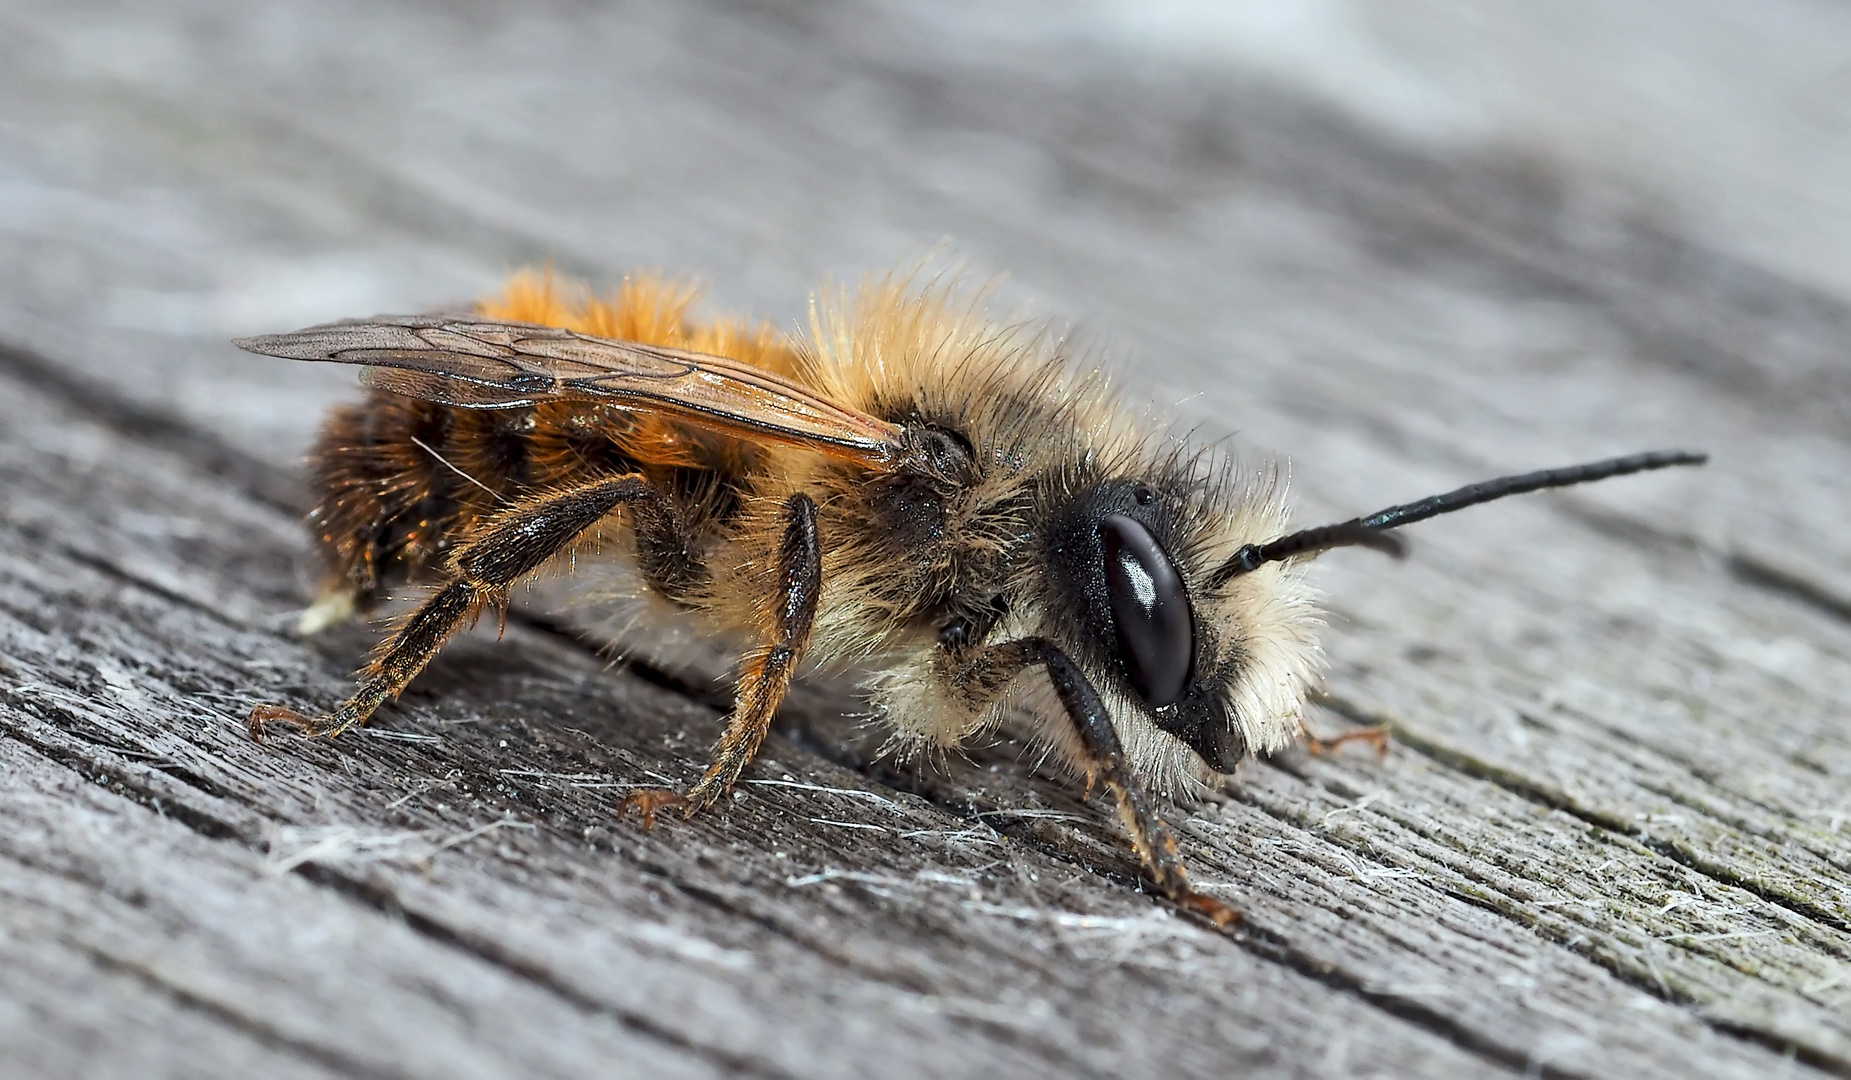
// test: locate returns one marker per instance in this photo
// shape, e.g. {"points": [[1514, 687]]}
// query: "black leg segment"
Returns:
{"points": [[785, 628], [502, 550], [1107, 767]]}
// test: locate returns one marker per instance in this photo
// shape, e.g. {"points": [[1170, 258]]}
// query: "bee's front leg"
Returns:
{"points": [[787, 622], [1106, 766]]}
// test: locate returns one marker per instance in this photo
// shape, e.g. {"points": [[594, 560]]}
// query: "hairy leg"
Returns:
{"points": [[504, 548], [767, 675], [1105, 764]]}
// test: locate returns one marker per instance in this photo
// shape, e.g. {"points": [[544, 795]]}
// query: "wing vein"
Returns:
{"points": [[488, 364]]}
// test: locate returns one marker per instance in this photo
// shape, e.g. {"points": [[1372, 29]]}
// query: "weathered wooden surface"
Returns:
{"points": [[1609, 841]]}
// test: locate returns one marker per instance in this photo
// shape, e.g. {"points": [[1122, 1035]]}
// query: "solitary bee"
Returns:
{"points": [[946, 503]]}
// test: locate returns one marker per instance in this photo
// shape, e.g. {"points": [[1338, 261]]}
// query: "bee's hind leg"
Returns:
{"points": [[787, 624], [503, 549]]}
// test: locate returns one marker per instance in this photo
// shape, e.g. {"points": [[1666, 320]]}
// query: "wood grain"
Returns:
{"points": [[1608, 840]]}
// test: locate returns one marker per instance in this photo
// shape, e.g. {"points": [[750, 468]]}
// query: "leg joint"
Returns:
{"points": [[517, 541]]}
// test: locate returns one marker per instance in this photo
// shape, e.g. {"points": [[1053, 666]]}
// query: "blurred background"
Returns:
{"points": [[178, 173]]}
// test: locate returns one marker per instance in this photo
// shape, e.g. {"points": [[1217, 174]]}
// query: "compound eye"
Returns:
{"points": [[1156, 633]]}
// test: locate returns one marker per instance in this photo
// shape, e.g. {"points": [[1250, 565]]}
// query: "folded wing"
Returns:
{"points": [[477, 363]]}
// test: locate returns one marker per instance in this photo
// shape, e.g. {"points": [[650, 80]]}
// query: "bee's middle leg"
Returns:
{"points": [[504, 549], [788, 621]]}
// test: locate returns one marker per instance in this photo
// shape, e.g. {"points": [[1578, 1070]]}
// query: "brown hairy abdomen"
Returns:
{"points": [[399, 481]]}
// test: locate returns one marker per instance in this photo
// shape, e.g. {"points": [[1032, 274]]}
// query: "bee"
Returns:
{"points": [[953, 506]]}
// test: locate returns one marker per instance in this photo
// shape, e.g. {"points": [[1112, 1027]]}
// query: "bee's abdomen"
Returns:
{"points": [[399, 481]]}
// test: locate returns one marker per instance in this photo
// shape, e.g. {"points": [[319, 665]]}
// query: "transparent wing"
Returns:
{"points": [[487, 364]]}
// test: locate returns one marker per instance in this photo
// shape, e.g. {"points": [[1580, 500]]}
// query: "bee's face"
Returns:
{"points": [[1128, 561]]}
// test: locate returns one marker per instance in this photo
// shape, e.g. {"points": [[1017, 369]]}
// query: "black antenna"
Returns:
{"points": [[1372, 531]]}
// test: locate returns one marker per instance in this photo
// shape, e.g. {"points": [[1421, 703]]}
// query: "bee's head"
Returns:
{"points": [[1185, 608], [1219, 670]]}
